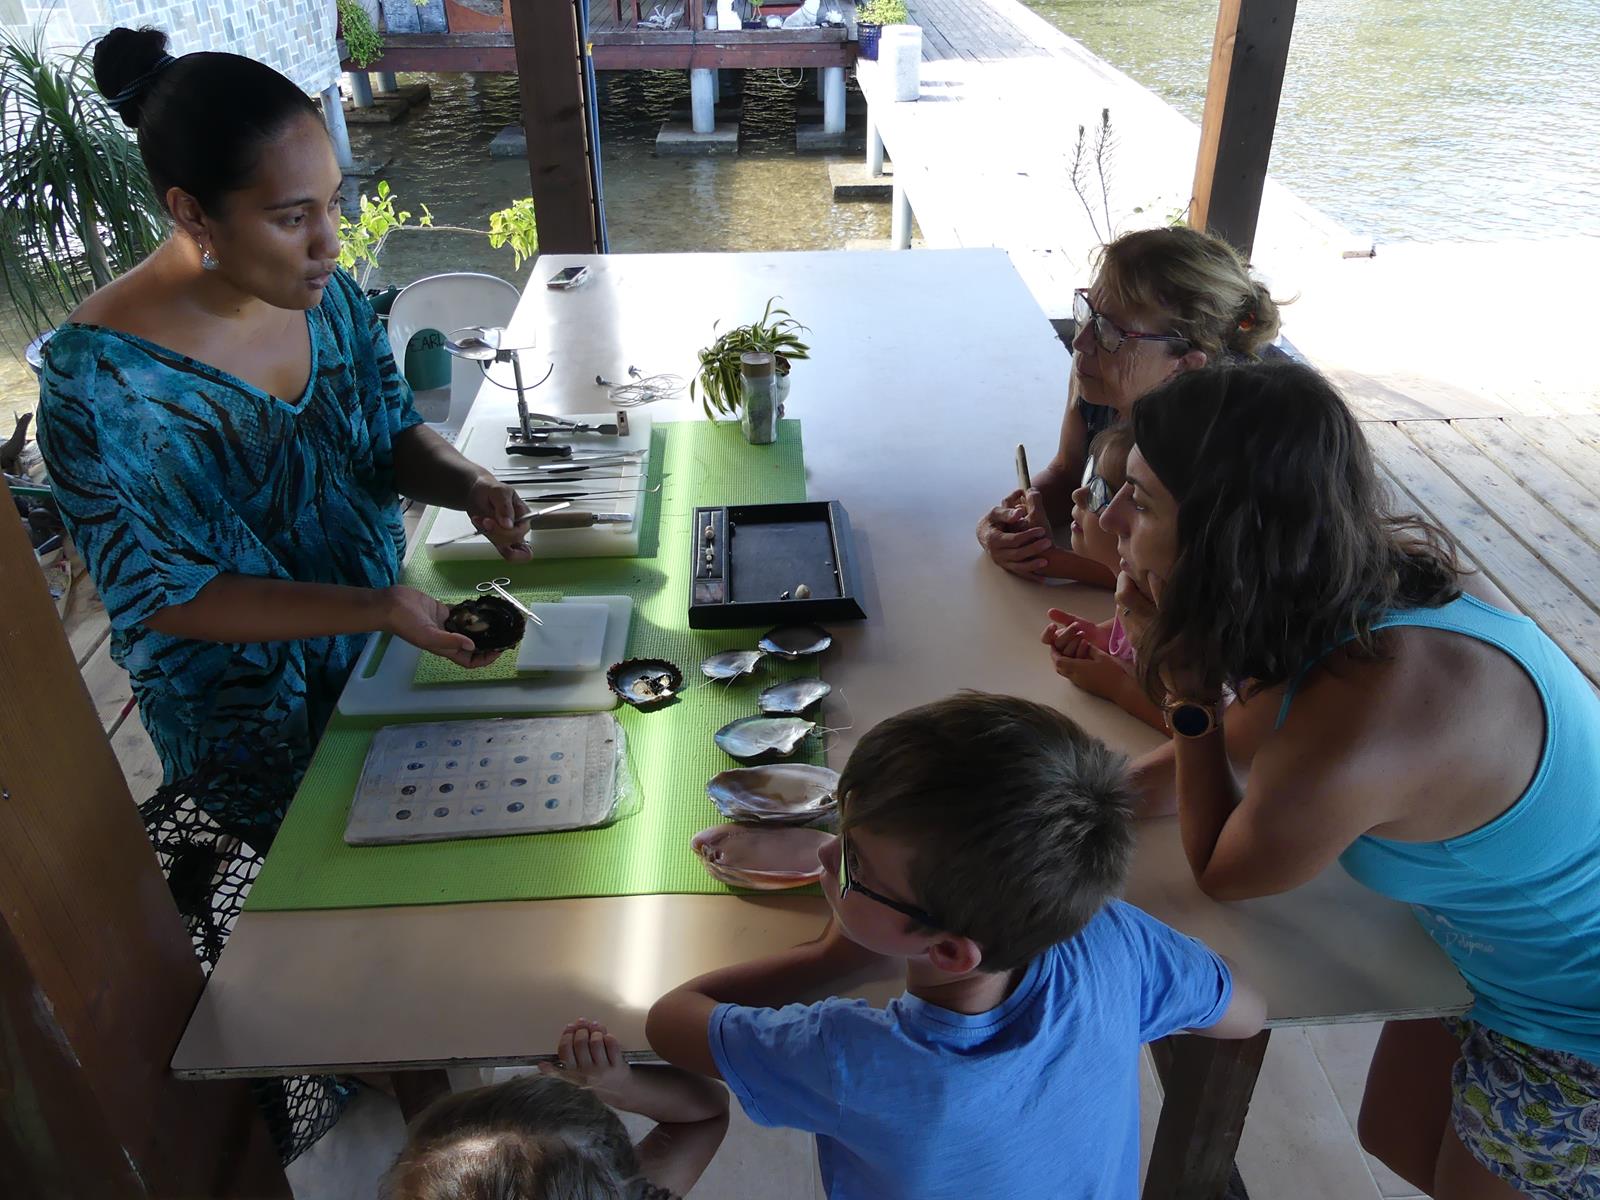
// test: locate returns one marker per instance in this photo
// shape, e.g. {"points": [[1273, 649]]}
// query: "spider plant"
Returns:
{"points": [[776, 333], [76, 207]]}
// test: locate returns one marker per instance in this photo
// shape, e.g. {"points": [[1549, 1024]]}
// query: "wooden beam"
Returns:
{"points": [[1207, 1084], [1248, 58], [555, 116], [685, 57], [624, 50], [97, 974]]}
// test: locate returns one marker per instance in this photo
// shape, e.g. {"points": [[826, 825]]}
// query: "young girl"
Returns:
{"points": [[1099, 658], [550, 1136]]}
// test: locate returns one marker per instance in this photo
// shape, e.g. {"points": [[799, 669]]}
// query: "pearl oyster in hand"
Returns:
{"points": [[491, 623]]}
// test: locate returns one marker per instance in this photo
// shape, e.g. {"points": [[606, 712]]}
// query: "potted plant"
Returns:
{"points": [[718, 385], [363, 42], [870, 20], [78, 209]]}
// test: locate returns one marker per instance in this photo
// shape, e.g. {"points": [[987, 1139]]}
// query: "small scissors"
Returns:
{"points": [[498, 587]]}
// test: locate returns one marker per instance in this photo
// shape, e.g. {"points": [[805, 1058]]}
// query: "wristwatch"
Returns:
{"points": [[1192, 718]]}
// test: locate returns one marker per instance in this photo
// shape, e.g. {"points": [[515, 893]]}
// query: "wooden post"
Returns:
{"points": [[550, 71], [97, 974], [1207, 1085], [1247, 64]]}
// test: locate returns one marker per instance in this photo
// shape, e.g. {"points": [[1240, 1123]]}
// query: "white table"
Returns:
{"points": [[927, 369]]}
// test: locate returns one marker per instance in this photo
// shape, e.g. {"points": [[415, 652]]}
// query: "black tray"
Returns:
{"points": [[759, 552]]}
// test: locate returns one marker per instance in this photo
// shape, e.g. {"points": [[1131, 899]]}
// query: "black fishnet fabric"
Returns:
{"points": [[210, 833]]}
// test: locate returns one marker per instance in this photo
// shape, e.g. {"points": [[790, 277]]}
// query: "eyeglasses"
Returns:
{"points": [[1107, 332], [1099, 489], [847, 884]]}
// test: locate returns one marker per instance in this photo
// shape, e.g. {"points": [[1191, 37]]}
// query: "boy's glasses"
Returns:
{"points": [[847, 884], [1107, 332], [1099, 489]]}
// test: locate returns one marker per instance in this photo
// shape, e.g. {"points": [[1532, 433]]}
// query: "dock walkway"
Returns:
{"points": [[985, 157]]}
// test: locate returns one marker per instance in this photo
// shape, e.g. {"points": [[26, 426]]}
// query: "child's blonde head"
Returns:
{"points": [[1108, 458], [531, 1138]]}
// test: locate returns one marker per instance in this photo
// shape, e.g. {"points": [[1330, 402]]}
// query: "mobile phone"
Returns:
{"points": [[567, 278], [1023, 480]]}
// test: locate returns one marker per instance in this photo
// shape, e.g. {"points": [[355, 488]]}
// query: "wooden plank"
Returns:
{"points": [[555, 117], [641, 58], [1564, 494], [1566, 616], [1248, 56], [487, 59], [1556, 438], [1568, 554], [97, 975]]}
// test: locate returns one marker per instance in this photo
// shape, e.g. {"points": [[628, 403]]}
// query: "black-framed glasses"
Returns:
{"points": [[1099, 489], [848, 884], [1107, 332]]}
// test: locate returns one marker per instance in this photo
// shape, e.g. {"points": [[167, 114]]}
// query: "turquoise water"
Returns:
{"points": [[1457, 119]]}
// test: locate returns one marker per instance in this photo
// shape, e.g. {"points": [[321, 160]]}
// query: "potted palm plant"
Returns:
{"points": [[76, 207], [718, 385]]}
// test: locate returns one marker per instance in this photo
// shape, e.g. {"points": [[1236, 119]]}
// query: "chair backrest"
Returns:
{"points": [[446, 303]]}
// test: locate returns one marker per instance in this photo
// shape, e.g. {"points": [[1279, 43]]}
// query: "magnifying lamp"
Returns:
{"points": [[483, 344]]}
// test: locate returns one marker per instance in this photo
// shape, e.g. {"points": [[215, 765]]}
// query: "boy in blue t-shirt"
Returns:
{"points": [[982, 840]]}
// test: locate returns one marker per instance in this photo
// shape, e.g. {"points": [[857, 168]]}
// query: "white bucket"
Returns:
{"points": [[900, 60]]}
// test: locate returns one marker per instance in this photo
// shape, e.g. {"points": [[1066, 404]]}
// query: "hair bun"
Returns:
{"points": [[126, 62]]}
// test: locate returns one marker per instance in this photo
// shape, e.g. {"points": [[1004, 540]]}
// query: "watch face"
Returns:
{"points": [[1190, 720]]}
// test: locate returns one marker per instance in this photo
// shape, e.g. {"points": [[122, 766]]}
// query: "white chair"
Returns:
{"points": [[447, 303]]}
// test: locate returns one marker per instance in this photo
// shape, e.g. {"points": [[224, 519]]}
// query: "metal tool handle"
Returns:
{"points": [[539, 449]]}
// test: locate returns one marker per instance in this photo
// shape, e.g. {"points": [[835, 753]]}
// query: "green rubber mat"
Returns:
{"points": [[670, 750]]}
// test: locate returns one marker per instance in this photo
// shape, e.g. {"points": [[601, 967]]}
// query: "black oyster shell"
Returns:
{"points": [[645, 682], [491, 623]]}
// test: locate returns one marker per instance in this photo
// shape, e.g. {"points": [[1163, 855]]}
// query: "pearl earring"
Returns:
{"points": [[208, 261]]}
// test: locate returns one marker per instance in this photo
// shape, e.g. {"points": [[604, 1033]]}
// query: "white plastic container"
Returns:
{"points": [[900, 60]]}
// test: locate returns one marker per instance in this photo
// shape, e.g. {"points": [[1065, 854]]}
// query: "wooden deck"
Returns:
{"points": [[617, 44], [985, 157]]}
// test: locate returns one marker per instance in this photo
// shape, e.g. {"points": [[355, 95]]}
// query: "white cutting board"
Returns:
{"points": [[389, 688], [483, 441]]}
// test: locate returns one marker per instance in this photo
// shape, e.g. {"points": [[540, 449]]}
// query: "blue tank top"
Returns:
{"points": [[1516, 902]]}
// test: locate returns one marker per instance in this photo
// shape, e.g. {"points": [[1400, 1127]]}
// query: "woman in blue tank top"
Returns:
{"points": [[1391, 714]]}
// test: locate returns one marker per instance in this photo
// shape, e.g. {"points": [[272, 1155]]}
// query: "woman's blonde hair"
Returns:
{"points": [[1216, 303], [1114, 439]]}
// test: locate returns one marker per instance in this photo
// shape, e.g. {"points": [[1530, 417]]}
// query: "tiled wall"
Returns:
{"points": [[294, 36]]}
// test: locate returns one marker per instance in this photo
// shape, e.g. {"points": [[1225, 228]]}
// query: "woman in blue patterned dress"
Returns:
{"points": [[226, 429]]}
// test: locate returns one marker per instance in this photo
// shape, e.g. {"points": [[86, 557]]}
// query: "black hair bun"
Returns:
{"points": [[123, 57]]}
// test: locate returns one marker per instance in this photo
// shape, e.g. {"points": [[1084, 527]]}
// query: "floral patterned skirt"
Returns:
{"points": [[1530, 1116]]}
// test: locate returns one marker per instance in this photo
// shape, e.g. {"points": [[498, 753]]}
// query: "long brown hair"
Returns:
{"points": [[1287, 545]]}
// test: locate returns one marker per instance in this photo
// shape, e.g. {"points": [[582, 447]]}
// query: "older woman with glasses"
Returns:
{"points": [[1164, 301]]}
